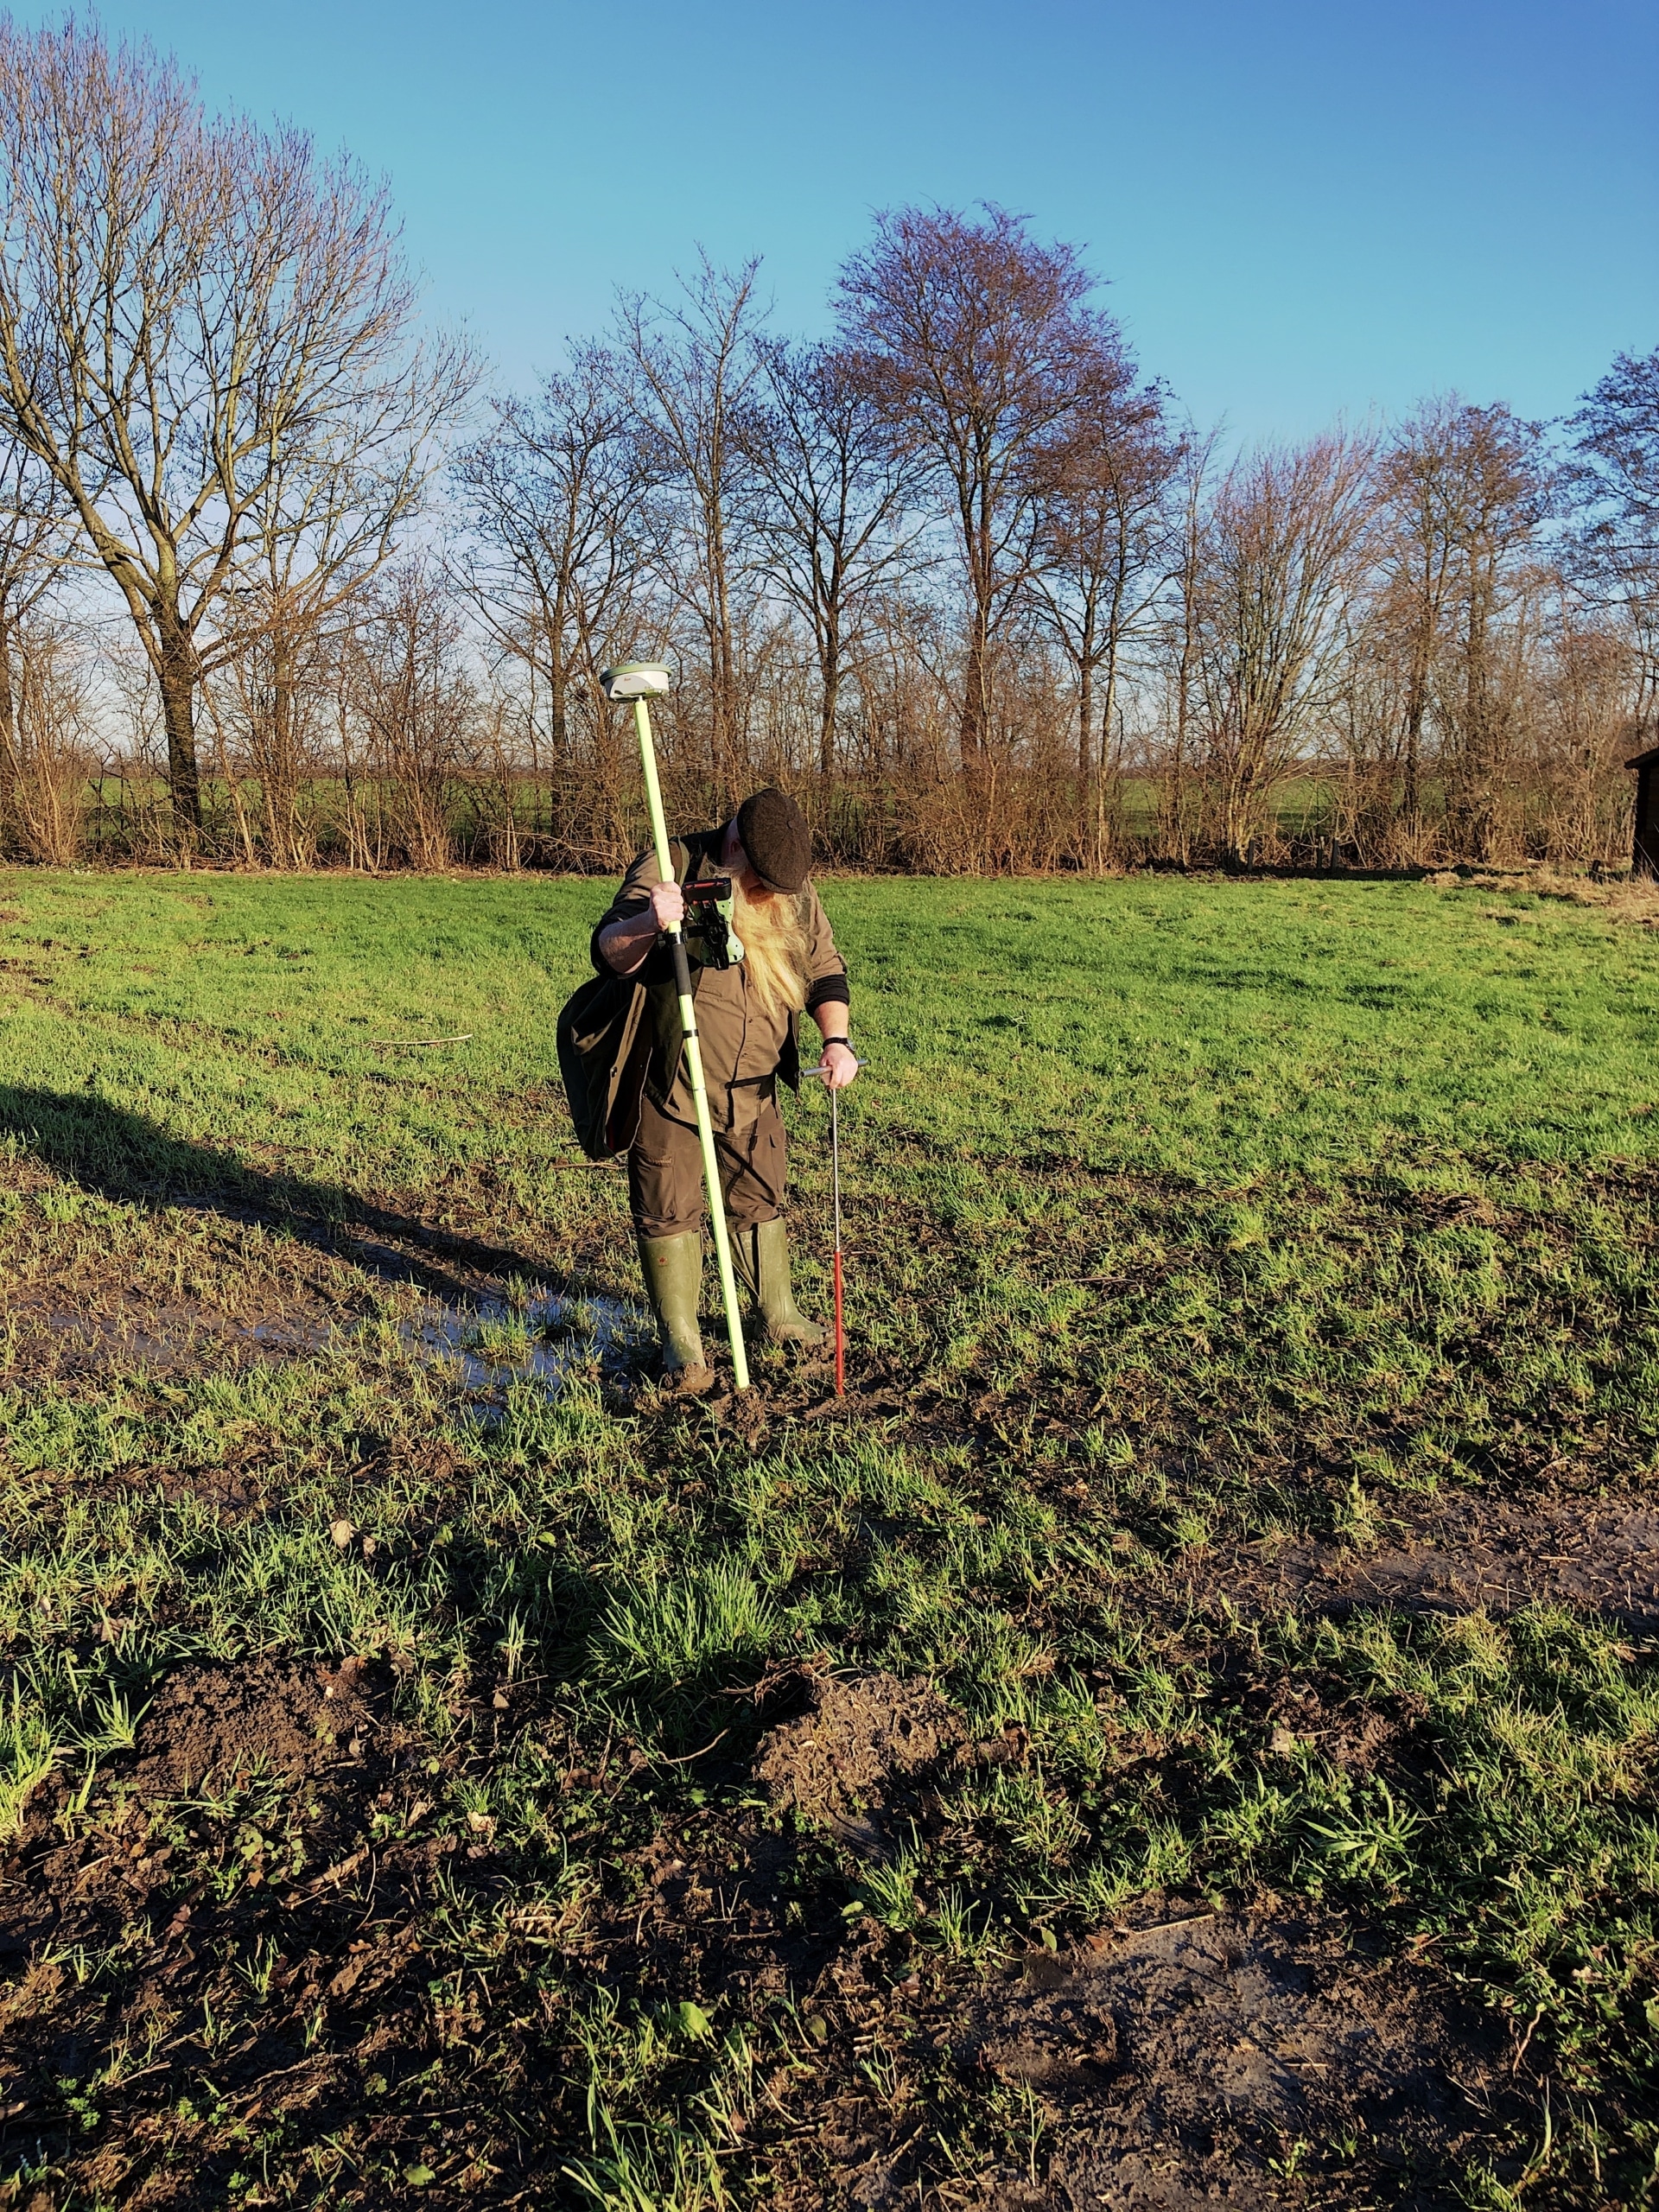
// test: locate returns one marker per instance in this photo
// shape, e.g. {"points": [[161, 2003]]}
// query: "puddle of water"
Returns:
{"points": [[292, 1335], [493, 1342], [165, 1339], [496, 1345]]}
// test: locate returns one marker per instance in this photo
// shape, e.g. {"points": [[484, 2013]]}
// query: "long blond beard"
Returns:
{"points": [[775, 949]]}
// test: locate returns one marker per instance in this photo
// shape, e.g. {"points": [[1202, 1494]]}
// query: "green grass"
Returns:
{"points": [[1182, 1215]]}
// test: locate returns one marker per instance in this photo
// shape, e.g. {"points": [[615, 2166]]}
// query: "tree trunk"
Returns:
{"points": [[1085, 729], [829, 671], [1422, 649], [1411, 797], [1084, 741], [178, 674], [9, 808], [722, 657], [282, 789], [1109, 715], [978, 766], [1477, 719], [976, 696], [973, 707], [558, 693]]}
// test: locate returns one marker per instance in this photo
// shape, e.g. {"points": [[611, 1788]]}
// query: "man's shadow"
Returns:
{"points": [[123, 1156]]}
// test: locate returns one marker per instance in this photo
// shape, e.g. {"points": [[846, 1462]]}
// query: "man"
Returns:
{"points": [[747, 1015]]}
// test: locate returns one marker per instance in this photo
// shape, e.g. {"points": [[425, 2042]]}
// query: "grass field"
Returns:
{"points": [[1189, 1721]]}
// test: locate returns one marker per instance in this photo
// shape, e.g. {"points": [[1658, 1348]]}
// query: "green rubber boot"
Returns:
{"points": [[673, 1269], [762, 1258]]}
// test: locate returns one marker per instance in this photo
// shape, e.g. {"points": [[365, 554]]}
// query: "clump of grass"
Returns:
{"points": [[682, 1629]]}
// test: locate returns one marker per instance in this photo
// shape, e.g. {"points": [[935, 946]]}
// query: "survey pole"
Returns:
{"points": [[692, 1052]]}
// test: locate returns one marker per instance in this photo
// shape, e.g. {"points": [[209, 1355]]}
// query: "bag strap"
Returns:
{"points": [[683, 854]]}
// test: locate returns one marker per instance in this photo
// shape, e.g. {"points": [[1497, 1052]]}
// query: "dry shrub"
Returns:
{"points": [[406, 724], [47, 762]]}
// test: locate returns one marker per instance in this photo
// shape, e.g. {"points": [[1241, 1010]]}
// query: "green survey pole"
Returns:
{"points": [[693, 1053]]}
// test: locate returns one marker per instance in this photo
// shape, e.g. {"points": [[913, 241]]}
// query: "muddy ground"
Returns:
{"points": [[1489, 1554], [1183, 2056], [269, 1837]]}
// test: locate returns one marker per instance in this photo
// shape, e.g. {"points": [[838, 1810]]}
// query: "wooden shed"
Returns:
{"points": [[1644, 859]]}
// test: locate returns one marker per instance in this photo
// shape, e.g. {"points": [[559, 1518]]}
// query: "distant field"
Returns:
{"points": [[1225, 1610], [130, 808]]}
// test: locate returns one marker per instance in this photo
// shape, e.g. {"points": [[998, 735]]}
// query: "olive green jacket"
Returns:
{"points": [[744, 1049]]}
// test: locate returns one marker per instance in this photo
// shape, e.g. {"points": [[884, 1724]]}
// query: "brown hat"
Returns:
{"points": [[772, 831]]}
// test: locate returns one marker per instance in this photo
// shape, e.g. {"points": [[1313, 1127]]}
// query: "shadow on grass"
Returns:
{"points": [[123, 1156]]}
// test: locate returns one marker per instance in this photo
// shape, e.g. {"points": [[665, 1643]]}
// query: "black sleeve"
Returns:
{"points": [[829, 990]]}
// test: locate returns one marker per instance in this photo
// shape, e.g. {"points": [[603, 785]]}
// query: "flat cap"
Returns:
{"points": [[772, 831]]}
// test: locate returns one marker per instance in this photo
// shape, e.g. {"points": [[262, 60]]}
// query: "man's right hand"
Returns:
{"points": [[667, 905], [625, 943]]}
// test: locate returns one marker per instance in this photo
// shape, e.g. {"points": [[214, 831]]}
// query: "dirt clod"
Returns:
{"points": [[1063, 2033], [218, 1726], [847, 1759]]}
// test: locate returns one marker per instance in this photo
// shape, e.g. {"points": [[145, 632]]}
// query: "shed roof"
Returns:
{"points": [[1644, 759]]}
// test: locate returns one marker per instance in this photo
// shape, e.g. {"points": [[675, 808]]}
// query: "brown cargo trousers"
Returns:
{"points": [[665, 1169]]}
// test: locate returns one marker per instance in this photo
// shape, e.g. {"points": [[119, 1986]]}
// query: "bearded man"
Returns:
{"points": [[746, 1017]]}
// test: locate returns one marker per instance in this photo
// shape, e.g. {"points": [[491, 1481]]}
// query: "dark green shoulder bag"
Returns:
{"points": [[604, 1046]]}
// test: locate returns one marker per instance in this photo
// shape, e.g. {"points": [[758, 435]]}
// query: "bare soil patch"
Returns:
{"points": [[1278, 2057], [1262, 2058], [220, 1726], [1470, 1554]]}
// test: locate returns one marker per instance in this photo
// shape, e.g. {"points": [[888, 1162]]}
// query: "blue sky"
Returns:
{"points": [[1304, 207]]}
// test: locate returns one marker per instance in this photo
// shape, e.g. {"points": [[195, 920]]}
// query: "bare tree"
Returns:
{"points": [[1418, 565], [195, 317], [1368, 728], [45, 750], [327, 522], [1284, 547], [976, 342], [692, 368], [1614, 484], [411, 689], [1176, 656], [1495, 494], [1110, 546], [555, 556], [268, 698], [1580, 720], [834, 485], [32, 533], [1464, 491]]}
